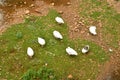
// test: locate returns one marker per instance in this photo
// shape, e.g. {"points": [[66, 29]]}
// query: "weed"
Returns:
{"points": [[43, 73]]}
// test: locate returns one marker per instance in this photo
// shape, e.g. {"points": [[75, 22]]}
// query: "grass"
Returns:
{"points": [[43, 73], [15, 62]]}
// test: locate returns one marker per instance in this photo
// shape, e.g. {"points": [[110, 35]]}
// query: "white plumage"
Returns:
{"points": [[85, 49], [92, 30], [59, 20], [41, 41], [71, 51], [30, 52], [57, 34]]}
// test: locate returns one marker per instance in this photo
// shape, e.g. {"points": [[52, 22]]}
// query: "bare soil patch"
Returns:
{"points": [[115, 4]]}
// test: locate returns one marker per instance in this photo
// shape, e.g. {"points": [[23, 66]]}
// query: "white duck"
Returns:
{"points": [[57, 34], [92, 30], [59, 20], [71, 51], [85, 49], [41, 41], [30, 52]]}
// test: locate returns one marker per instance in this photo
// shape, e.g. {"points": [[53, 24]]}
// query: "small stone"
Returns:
{"points": [[38, 11], [46, 64], [117, 55], [78, 26], [76, 16], [9, 5], [83, 21], [80, 22], [60, 12], [75, 23], [27, 12], [53, 54], [91, 60], [88, 34], [70, 76], [15, 6], [21, 2], [82, 32], [52, 4], [68, 3], [32, 5], [51, 77], [76, 30], [25, 2], [21, 5], [119, 43]]}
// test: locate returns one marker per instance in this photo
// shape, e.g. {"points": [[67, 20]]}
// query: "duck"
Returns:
{"points": [[41, 41], [59, 20], [30, 52], [92, 30], [57, 34], [71, 51], [85, 49]]}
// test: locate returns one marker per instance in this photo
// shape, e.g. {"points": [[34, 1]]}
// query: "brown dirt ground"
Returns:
{"points": [[77, 29], [115, 4]]}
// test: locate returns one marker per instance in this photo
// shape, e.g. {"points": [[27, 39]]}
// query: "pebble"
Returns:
{"points": [[117, 55], [9, 5], [46, 64], [53, 4], [76, 30], [75, 23], [76, 16], [27, 12], [60, 12], [20, 2], [54, 55], [81, 23], [70, 76], [82, 32], [68, 3], [51, 77], [119, 43], [38, 11], [25, 2], [32, 5]]}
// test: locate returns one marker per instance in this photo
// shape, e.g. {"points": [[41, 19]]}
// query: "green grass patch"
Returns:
{"points": [[43, 73], [14, 61]]}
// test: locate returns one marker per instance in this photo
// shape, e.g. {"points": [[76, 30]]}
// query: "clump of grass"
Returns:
{"points": [[43, 73], [19, 35]]}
